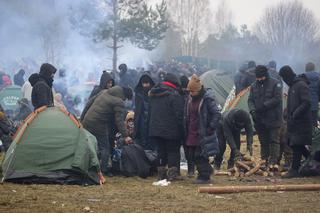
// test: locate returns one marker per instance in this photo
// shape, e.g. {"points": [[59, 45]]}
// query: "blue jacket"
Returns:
{"points": [[314, 87]]}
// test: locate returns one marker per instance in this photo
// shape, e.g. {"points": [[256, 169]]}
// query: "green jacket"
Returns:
{"points": [[108, 104]]}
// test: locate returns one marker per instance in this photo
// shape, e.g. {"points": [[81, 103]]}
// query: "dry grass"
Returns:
{"points": [[121, 194]]}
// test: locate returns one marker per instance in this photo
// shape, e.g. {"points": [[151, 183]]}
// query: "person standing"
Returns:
{"points": [[265, 105], [299, 120], [166, 125], [202, 117], [141, 112], [18, 78], [41, 83], [314, 87]]}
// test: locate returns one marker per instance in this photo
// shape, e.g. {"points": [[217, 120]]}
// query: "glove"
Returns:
{"points": [[249, 148], [211, 159], [254, 116]]}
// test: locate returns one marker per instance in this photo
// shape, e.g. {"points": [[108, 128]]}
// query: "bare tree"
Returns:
{"points": [[190, 19], [223, 18], [288, 27]]}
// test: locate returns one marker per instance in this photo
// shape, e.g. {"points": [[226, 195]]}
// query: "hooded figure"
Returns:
{"points": [[141, 112], [42, 86], [166, 125], [314, 86], [272, 69], [18, 78], [299, 122], [106, 82], [265, 105]]}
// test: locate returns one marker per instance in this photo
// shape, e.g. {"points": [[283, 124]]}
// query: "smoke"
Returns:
{"points": [[37, 31]]}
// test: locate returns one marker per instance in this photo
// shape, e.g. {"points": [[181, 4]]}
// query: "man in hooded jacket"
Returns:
{"points": [[18, 78], [106, 82], [299, 120], [265, 105], [141, 112], [42, 86], [166, 125]]}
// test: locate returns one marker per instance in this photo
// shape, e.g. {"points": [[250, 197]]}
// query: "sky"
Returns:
{"points": [[249, 11]]}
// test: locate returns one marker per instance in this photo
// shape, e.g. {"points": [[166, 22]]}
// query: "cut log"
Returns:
{"points": [[270, 188], [240, 164], [262, 173], [255, 169]]}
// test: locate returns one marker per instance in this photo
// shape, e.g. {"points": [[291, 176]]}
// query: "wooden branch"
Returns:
{"points": [[254, 170], [221, 173], [240, 164], [267, 188]]}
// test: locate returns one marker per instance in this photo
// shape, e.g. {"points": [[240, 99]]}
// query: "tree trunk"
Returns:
{"points": [[115, 36]]}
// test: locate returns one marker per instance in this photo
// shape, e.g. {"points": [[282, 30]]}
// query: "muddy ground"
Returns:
{"points": [[121, 194]]}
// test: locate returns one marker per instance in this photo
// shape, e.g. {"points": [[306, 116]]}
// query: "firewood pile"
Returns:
{"points": [[247, 167]]}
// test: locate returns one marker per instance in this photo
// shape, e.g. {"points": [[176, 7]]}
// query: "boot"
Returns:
{"points": [[173, 174], [292, 173], [190, 169], [202, 180], [162, 173]]}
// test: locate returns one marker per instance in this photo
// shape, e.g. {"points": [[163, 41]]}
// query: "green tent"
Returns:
{"points": [[52, 147], [9, 97], [221, 82]]}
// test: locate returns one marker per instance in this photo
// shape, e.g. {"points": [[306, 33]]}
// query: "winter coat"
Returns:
{"points": [[265, 102], [18, 78], [105, 77], [244, 79], [107, 105], [41, 94], [141, 110], [23, 113], [299, 121], [314, 86], [209, 118], [166, 112]]}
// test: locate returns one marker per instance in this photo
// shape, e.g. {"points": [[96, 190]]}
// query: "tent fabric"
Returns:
{"points": [[221, 82], [52, 147], [9, 97]]}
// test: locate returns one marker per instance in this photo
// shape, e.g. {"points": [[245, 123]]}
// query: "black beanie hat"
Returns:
{"points": [[47, 69], [184, 81], [172, 78], [287, 74], [261, 71], [127, 92]]}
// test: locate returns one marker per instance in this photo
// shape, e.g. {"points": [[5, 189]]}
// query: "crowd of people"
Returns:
{"points": [[173, 109]]}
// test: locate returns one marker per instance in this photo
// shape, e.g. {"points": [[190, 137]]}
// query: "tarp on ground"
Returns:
{"points": [[52, 147], [220, 81]]}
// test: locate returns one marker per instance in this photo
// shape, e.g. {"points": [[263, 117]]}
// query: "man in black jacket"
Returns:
{"points": [[42, 86], [166, 125], [231, 124], [299, 120], [265, 105], [141, 112], [18, 78]]}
